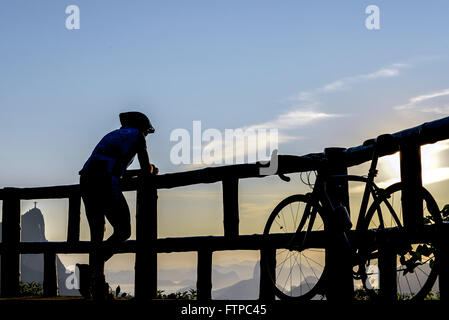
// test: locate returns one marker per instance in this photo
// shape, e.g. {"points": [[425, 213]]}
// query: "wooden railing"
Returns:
{"points": [[147, 245]]}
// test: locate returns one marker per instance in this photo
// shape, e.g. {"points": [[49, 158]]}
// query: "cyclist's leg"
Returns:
{"points": [[118, 216], [93, 195]]}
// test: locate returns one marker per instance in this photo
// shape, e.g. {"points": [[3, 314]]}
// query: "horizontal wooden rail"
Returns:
{"points": [[315, 239], [53, 192]]}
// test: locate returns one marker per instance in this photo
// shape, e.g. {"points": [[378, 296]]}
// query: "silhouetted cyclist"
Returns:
{"points": [[102, 196]]}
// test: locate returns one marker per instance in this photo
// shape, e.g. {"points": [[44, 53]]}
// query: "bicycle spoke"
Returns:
{"points": [[310, 266], [393, 214], [417, 279], [280, 226], [296, 215], [283, 263], [304, 276], [293, 218], [283, 219], [317, 263], [289, 275], [425, 273], [282, 251], [408, 284], [291, 278], [398, 284], [296, 270]]}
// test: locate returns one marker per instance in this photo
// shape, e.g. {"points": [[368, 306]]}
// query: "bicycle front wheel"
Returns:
{"points": [[300, 269], [417, 262]]}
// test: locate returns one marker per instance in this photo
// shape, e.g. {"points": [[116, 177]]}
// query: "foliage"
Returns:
{"points": [[433, 296], [417, 256], [27, 289], [118, 294], [184, 295], [361, 294]]}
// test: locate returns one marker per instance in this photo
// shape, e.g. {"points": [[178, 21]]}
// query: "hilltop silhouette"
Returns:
{"points": [[243, 290], [32, 265]]}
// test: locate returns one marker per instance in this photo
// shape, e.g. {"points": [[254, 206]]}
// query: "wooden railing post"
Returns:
{"points": [[73, 230], [10, 263], [204, 275], [387, 271], [443, 278], [145, 286], [338, 250], [231, 207], [267, 271], [411, 177], [50, 275]]}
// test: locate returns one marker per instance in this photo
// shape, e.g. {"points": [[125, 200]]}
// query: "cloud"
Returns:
{"points": [[256, 142], [305, 112], [346, 83], [430, 176], [434, 168], [433, 102], [294, 119]]}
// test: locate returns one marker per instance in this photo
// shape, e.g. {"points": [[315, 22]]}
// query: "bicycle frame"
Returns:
{"points": [[320, 196]]}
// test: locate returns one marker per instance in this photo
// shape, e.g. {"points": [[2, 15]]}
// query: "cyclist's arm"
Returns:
{"points": [[144, 159], [145, 165]]}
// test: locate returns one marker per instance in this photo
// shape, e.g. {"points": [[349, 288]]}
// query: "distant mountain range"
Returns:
{"points": [[237, 281], [247, 289], [178, 279]]}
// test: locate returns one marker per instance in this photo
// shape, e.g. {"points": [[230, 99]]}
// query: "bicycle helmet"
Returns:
{"points": [[136, 120]]}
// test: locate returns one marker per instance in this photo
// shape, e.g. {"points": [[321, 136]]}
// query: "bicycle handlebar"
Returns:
{"points": [[284, 177]]}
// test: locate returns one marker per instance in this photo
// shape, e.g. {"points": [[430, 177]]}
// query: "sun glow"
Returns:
{"points": [[434, 169]]}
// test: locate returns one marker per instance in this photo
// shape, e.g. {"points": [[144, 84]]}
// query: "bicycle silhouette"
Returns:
{"points": [[301, 270]]}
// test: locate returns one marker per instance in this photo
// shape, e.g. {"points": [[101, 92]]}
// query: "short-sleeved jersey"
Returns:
{"points": [[115, 152]]}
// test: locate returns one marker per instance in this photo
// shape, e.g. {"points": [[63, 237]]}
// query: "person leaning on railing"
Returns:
{"points": [[102, 196]]}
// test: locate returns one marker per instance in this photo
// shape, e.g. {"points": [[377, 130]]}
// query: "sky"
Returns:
{"points": [[310, 69]]}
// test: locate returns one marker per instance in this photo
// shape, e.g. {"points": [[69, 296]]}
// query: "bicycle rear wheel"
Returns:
{"points": [[300, 269], [417, 262]]}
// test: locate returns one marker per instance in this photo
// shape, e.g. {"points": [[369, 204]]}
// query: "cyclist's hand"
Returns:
{"points": [[155, 170]]}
